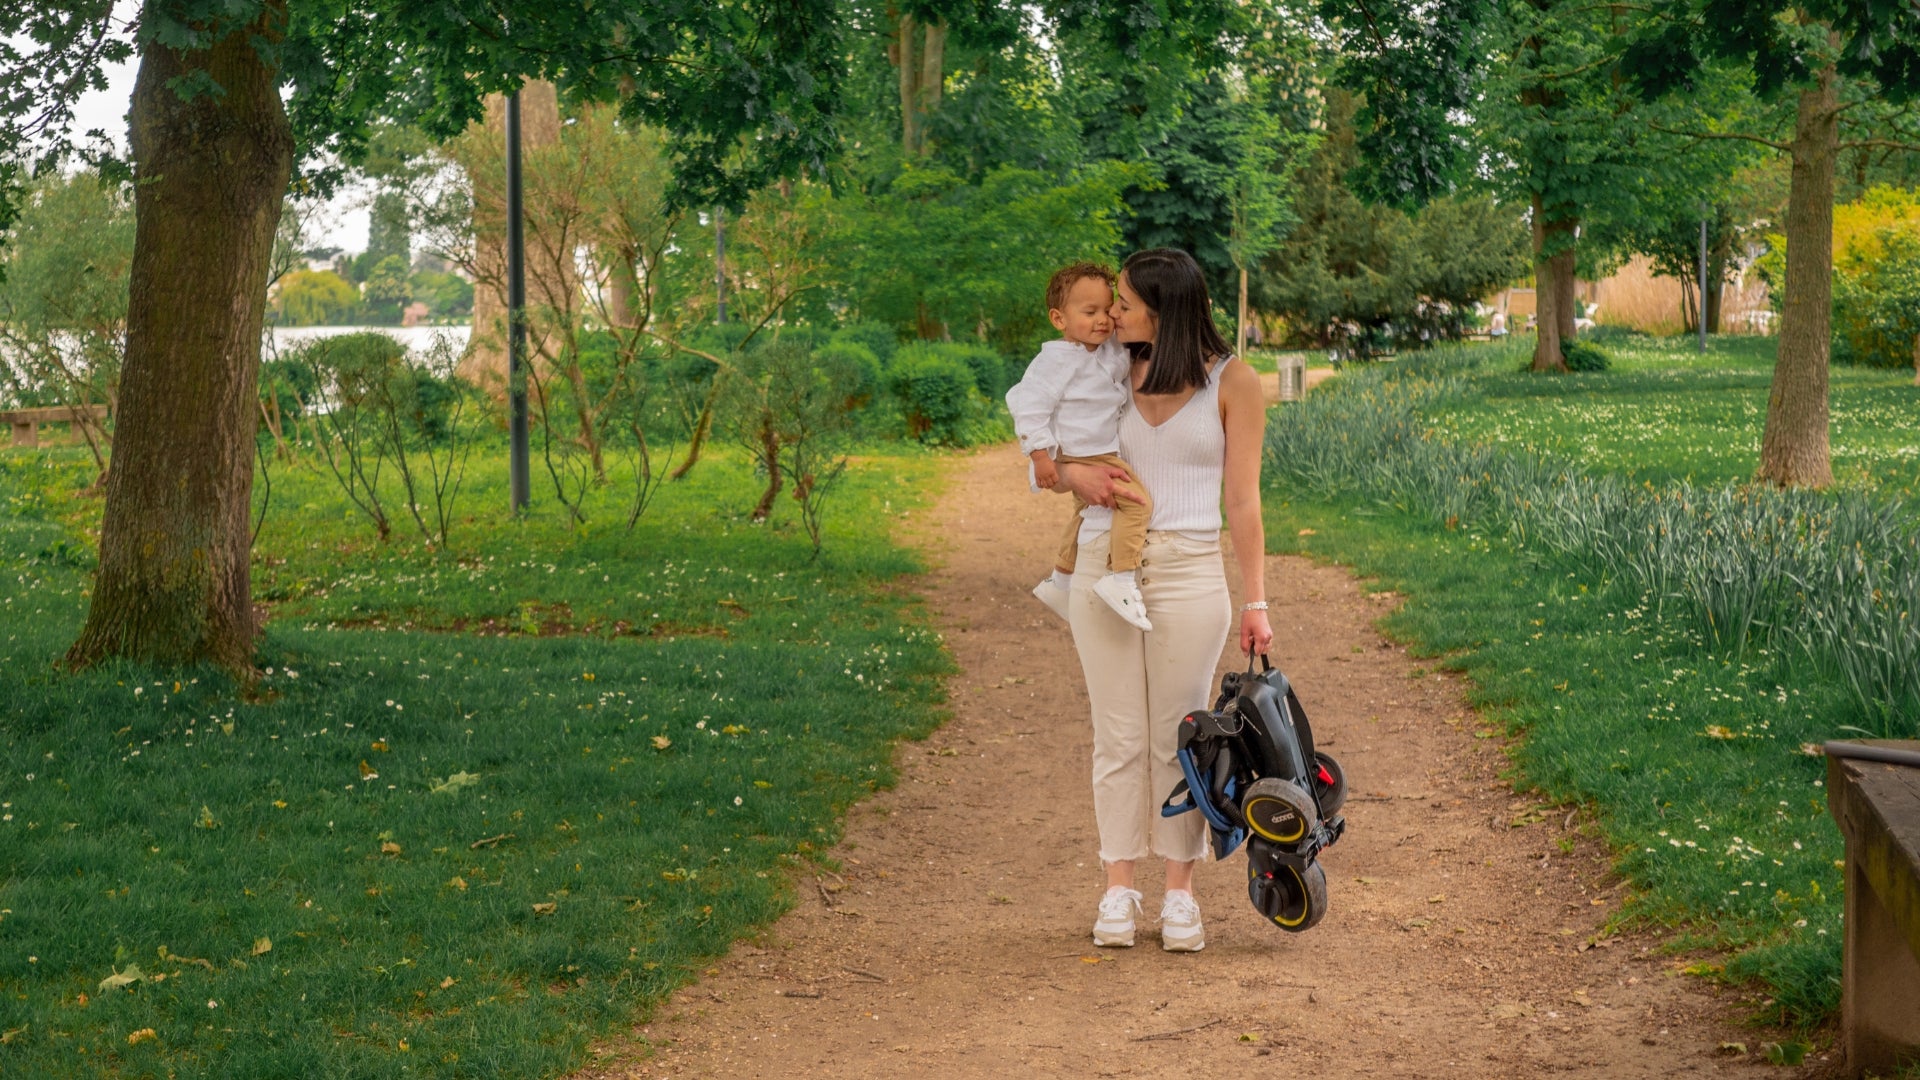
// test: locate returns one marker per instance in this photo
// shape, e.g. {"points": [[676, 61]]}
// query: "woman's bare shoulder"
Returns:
{"points": [[1238, 380]]}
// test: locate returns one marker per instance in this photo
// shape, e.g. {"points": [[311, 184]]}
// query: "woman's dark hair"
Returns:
{"points": [[1170, 282]]}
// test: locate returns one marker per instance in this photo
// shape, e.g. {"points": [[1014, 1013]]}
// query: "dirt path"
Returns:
{"points": [[957, 941]]}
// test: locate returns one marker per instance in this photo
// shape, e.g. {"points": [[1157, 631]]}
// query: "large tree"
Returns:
{"points": [[232, 96], [1838, 62], [1521, 98]]}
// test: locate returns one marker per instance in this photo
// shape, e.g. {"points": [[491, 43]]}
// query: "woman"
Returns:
{"points": [[1193, 434]]}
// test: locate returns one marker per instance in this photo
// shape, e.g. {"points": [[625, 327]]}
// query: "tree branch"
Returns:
{"points": [[1739, 136], [1887, 144]]}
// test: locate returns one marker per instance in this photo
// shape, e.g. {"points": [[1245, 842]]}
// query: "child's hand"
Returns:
{"points": [[1045, 475]]}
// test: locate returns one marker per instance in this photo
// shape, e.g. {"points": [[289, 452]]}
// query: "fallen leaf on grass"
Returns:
{"points": [[262, 946], [367, 771], [447, 982], [457, 883], [206, 819], [545, 909], [8, 1036], [121, 979], [1716, 731], [380, 745], [453, 783], [661, 742], [388, 847], [1307, 532], [135, 1038]]}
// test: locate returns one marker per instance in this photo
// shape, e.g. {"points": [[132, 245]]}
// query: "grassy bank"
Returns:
{"points": [[1665, 412], [1668, 690], [428, 853]]}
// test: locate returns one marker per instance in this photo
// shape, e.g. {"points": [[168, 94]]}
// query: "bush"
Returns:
{"points": [[1876, 303], [936, 391], [989, 368], [851, 366], [1584, 356], [877, 337]]}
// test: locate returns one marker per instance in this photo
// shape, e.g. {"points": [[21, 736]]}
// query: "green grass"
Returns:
{"points": [[1665, 412], [1686, 740], [1725, 838], [656, 731]]}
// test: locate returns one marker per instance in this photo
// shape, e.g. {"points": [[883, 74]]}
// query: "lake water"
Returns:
{"points": [[419, 340]]}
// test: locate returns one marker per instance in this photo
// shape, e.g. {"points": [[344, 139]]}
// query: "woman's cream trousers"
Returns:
{"points": [[1143, 684]]}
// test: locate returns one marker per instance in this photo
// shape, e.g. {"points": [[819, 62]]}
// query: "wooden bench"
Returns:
{"points": [[26, 422], [1878, 808]]}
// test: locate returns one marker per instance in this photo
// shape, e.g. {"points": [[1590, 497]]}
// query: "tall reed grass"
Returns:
{"points": [[1638, 299], [1831, 579]]}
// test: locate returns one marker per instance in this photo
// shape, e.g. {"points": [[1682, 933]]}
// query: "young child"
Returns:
{"points": [[1066, 410]]}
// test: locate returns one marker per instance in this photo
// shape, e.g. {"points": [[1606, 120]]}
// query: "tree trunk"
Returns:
{"points": [[933, 76], [1240, 333], [770, 456], [622, 284], [1716, 285], [1550, 294], [1793, 450], [173, 584], [909, 88], [1566, 303]]}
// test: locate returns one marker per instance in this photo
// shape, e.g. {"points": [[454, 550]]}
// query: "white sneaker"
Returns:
{"points": [[1118, 909], [1180, 929], [1052, 595], [1124, 599]]}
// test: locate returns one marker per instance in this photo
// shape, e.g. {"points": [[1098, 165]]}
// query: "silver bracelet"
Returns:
{"points": [[1257, 605]]}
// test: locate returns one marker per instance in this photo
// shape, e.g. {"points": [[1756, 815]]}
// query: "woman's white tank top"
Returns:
{"points": [[1180, 462]]}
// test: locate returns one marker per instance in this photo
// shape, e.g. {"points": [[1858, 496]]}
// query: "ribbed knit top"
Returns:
{"points": [[1181, 462]]}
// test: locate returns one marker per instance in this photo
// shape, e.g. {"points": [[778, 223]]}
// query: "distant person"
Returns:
{"points": [[1066, 410], [1497, 326], [1193, 432]]}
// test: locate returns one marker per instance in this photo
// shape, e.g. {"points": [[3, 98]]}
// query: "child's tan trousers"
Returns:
{"points": [[1129, 519]]}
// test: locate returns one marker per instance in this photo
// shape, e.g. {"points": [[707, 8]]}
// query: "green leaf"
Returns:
{"points": [[454, 783]]}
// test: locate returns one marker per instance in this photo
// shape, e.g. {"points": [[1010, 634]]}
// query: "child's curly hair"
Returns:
{"points": [[1065, 278]]}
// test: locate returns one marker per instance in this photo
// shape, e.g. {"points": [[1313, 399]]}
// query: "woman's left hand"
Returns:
{"points": [[1256, 636]]}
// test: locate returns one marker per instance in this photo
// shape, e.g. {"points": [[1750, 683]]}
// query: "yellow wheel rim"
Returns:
{"points": [[1299, 823]]}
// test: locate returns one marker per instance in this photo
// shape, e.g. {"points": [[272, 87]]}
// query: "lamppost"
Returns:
{"points": [[517, 479]]}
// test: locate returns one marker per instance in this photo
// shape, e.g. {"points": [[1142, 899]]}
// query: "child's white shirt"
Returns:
{"points": [[1071, 399]]}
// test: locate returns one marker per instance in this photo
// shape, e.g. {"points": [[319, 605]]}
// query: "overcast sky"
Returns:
{"points": [[343, 222]]}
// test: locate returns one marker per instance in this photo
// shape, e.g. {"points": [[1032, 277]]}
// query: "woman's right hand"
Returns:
{"points": [[1095, 484]]}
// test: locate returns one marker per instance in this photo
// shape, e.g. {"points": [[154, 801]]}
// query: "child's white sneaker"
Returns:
{"points": [[1123, 596], [1180, 929], [1050, 593], [1118, 909]]}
